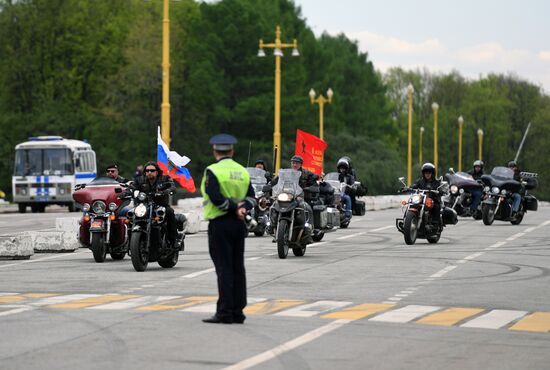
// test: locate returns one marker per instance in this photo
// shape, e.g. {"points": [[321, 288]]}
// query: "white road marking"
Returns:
{"points": [[402, 295], [495, 319], [515, 236], [210, 307], [253, 258], [394, 299], [545, 223], [405, 314], [62, 299], [288, 346], [496, 245], [316, 244], [475, 255], [15, 309], [147, 286], [61, 255], [381, 228], [1, 294], [350, 236], [443, 271], [312, 309], [198, 273], [132, 303], [530, 229]]}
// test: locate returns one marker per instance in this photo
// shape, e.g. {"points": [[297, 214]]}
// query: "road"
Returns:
{"points": [[360, 299]]}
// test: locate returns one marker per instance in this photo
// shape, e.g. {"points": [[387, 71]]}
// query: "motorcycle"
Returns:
{"points": [[148, 238], [499, 187], [417, 220], [260, 213], [102, 229], [460, 198], [339, 188]]}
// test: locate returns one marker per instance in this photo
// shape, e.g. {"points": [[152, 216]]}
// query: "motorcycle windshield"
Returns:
{"points": [[289, 183], [331, 178], [257, 178], [462, 179], [503, 172]]}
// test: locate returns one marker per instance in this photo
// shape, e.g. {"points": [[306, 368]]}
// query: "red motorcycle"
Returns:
{"points": [[102, 229]]}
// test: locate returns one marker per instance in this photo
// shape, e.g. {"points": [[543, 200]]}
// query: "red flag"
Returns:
{"points": [[312, 150]]}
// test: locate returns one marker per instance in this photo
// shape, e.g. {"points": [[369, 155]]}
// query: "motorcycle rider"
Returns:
{"points": [[345, 176], [112, 172], [429, 182], [153, 181], [476, 173], [516, 197], [260, 163]]}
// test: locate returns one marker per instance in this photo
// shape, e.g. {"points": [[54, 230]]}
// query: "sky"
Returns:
{"points": [[472, 37]]}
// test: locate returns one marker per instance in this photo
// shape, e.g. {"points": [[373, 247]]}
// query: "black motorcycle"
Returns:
{"points": [[418, 221], [461, 187], [148, 238], [338, 189], [260, 213], [499, 187]]}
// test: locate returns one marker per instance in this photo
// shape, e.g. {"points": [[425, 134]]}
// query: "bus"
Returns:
{"points": [[46, 170]]}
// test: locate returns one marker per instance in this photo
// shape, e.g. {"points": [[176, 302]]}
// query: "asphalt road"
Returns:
{"points": [[361, 299]]}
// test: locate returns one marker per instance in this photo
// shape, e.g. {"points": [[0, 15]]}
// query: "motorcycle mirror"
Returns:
{"points": [[357, 183], [402, 180], [451, 170]]}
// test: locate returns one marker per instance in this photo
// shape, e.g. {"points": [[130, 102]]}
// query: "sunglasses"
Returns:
{"points": [[111, 171], [149, 170]]}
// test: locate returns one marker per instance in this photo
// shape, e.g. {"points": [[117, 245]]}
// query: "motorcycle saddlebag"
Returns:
{"points": [[531, 203], [532, 183], [333, 217], [449, 216], [359, 208], [320, 217]]}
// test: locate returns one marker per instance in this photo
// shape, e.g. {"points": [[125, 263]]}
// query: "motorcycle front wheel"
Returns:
{"points": [[433, 239], [410, 228], [488, 214], [518, 219], [169, 261], [283, 238], [99, 249], [140, 257]]}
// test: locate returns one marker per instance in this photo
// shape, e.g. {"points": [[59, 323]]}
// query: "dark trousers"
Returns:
{"points": [[171, 224], [226, 245]]}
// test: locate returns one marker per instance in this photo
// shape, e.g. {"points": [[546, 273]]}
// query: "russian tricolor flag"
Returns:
{"points": [[174, 164]]}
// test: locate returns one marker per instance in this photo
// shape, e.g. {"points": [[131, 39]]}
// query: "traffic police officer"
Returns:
{"points": [[228, 195]]}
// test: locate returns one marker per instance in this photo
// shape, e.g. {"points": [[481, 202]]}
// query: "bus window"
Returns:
{"points": [[57, 162], [38, 162], [28, 162]]}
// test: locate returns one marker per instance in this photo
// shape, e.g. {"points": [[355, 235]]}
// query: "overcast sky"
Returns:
{"points": [[473, 37]]}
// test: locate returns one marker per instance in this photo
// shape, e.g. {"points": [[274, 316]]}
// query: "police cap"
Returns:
{"points": [[223, 142], [297, 158]]}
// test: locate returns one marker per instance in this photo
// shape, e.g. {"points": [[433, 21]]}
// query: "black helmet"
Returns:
{"points": [[298, 159], [428, 167], [260, 161], [343, 163], [479, 163], [512, 164]]}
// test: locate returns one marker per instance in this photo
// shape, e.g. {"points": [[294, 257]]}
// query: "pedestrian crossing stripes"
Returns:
{"points": [[463, 317]]}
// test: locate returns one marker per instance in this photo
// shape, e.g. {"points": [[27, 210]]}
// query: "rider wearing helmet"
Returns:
{"points": [[476, 173], [516, 197], [429, 182], [260, 163], [345, 176]]}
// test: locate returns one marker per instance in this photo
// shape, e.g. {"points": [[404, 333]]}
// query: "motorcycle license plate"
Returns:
{"points": [[97, 224]]}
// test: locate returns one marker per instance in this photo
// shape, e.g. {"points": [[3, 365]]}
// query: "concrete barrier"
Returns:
{"points": [[16, 247], [53, 241], [193, 222]]}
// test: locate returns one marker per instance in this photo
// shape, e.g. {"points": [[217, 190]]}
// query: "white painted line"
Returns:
{"points": [[545, 223], [288, 346], [405, 314], [443, 271], [199, 273], [402, 295], [350, 236], [475, 255], [147, 286], [462, 261], [494, 319], [530, 229], [15, 309], [515, 236], [413, 288], [394, 299], [134, 302], [496, 245], [271, 254], [381, 228], [210, 307], [3, 294], [61, 255], [312, 309], [253, 258], [62, 299], [388, 302], [316, 244]]}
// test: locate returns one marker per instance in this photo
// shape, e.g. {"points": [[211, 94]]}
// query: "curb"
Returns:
{"points": [[16, 247]]}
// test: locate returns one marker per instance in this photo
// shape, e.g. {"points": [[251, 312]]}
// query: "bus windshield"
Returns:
{"points": [[43, 162]]}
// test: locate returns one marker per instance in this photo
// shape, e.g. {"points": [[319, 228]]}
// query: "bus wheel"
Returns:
{"points": [[72, 207], [22, 207]]}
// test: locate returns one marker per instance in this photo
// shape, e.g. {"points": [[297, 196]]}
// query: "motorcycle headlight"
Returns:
{"points": [[86, 207], [503, 192], [140, 210], [112, 206], [99, 206], [486, 189], [141, 196], [454, 189], [415, 199], [161, 211], [461, 191], [284, 197], [495, 190]]}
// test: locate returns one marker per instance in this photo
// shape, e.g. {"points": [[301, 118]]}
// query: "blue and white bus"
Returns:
{"points": [[46, 170]]}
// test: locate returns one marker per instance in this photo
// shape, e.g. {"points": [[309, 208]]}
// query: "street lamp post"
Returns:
{"points": [[480, 143], [278, 47], [435, 108], [420, 150], [165, 106], [321, 100], [410, 91], [460, 124]]}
